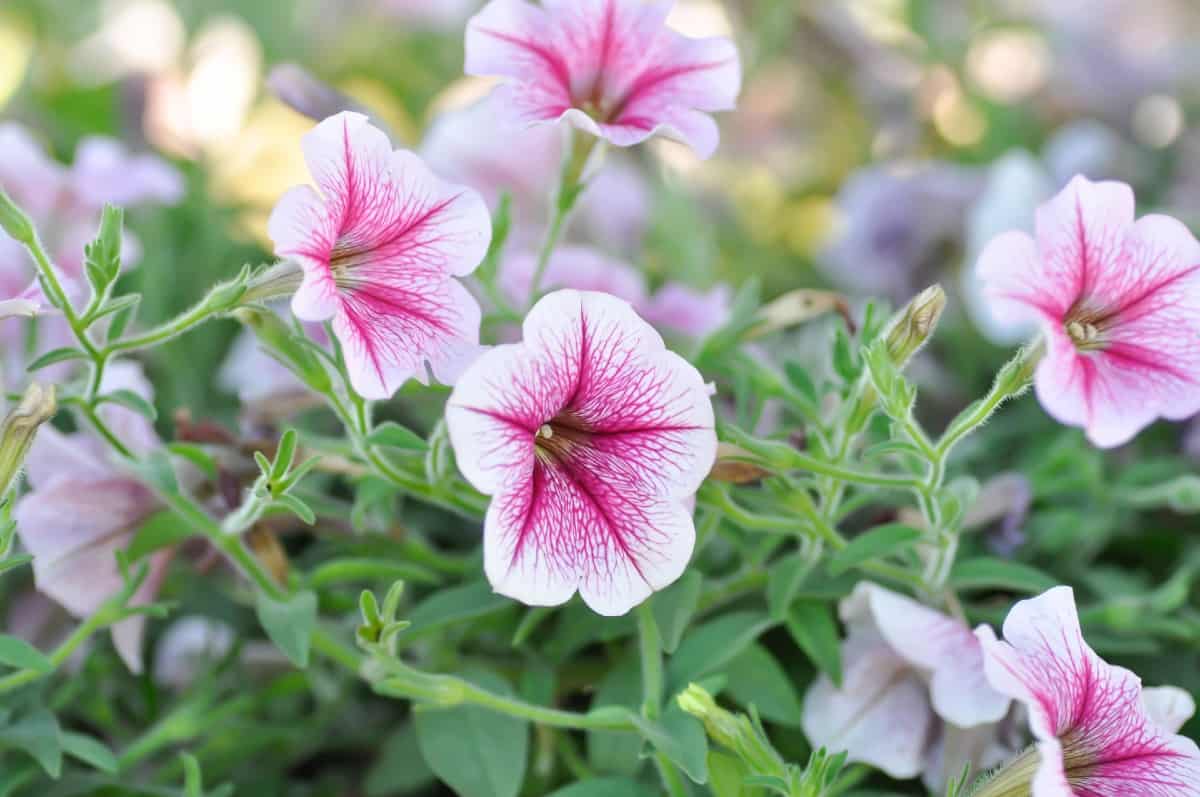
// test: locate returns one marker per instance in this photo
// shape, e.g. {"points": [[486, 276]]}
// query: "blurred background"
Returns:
{"points": [[878, 144]]}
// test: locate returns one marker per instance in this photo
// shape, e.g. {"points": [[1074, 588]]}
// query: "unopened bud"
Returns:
{"points": [[796, 307], [14, 221], [733, 731], [915, 324], [735, 465], [20, 426]]}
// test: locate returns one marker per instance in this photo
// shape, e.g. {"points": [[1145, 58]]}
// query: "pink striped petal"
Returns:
{"points": [[379, 246], [1119, 304], [1094, 737], [610, 67], [591, 436]]}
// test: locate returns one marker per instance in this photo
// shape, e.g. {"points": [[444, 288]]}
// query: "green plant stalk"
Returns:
{"points": [[570, 186], [98, 621]]}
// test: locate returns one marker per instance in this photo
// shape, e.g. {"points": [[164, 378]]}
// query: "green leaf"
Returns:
{"points": [[399, 768], [19, 654], [604, 787], [393, 435], [611, 751], [474, 751], [341, 571], [845, 361], [298, 508], [90, 751], [784, 581], [162, 530], [797, 377], [456, 605], [877, 543], [674, 606], [197, 456], [756, 679], [709, 646], [681, 738], [38, 735], [285, 455], [130, 400], [290, 624], [56, 356], [987, 573], [814, 630]]}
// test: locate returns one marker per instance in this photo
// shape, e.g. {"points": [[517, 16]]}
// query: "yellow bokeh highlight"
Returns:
{"points": [[16, 48]]}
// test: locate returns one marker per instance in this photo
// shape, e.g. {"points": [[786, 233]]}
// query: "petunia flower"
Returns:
{"points": [[82, 510], [1118, 302], [914, 698], [592, 438], [609, 67], [1095, 732], [380, 246]]}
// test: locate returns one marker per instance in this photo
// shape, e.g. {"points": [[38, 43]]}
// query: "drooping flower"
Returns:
{"points": [[914, 697], [380, 246], [591, 437], [1095, 736], [609, 67], [82, 510], [524, 161], [1118, 302]]}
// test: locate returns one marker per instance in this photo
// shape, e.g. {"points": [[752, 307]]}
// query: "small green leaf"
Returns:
{"points": [[399, 767], [814, 630], [130, 400], [674, 606], [38, 735], [797, 377], [756, 679], [290, 624], [162, 530], [709, 646], [987, 573], [355, 570], [393, 435], [298, 508], [55, 356], [13, 562], [609, 751], [89, 751], [285, 455], [197, 456], [726, 775], [456, 605], [877, 543], [19, 654], [681, 738], [474, 751], [122, 310]]}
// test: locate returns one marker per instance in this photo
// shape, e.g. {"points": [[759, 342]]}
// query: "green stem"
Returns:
{"points": [[63, 652], [176, 326], [570, 186]]}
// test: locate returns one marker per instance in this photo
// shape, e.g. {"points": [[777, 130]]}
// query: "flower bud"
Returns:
{"points": [[733, 731], [915, 324], [20, 426], [14, 221]]}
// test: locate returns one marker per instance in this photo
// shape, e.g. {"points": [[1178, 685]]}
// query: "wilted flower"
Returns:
{"points": [[1094, 732], [80, 512], [380, 246], [609, 67], [525, 161], [592, 438], [1119, 305], [913, 685]]}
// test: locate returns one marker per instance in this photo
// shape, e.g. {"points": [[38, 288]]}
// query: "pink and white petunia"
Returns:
{"points": [[914, 697], [1095, 733], [1118, 301], [592, 438], [609, 67], [82, 510], [380, 242]]}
